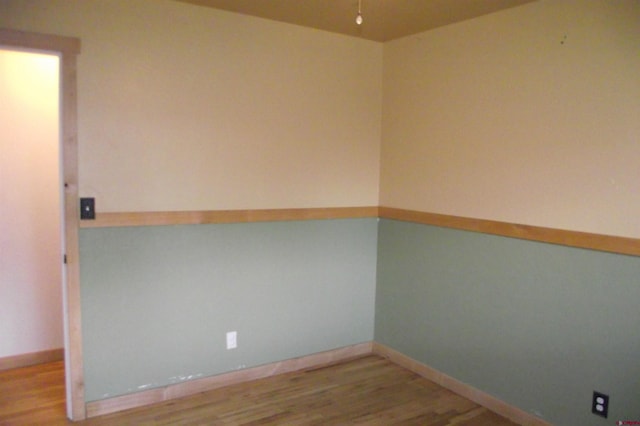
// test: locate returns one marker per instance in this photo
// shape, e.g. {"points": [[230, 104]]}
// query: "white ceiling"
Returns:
{"points": [[384, 20]]}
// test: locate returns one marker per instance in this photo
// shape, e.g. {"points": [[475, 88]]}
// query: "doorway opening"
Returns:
{"points": [[31, 226]]}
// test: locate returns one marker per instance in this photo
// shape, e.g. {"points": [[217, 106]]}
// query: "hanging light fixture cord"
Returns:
{"points": [[359, 17]]}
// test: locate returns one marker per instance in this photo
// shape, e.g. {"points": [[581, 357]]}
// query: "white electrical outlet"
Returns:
{"points": [[232, 339]]}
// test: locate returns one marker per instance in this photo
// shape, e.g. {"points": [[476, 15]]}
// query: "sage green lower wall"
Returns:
{"points": [[536, 325], [157, 301]]}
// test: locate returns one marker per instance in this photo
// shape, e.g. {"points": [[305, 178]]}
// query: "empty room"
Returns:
{"points": [[444, 194]]}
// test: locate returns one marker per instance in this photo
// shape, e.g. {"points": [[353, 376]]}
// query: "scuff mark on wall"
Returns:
{"points": [[149, 385], [183, 378]]}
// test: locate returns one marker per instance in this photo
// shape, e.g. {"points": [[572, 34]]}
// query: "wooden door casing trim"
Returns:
{"points": [[67, 48]]}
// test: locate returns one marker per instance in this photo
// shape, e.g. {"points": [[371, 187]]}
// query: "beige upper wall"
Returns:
{"points": [[188, 108], [530, 115]]}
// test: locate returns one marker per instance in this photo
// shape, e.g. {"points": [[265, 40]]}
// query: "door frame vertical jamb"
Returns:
{"points": [[67, 48]]}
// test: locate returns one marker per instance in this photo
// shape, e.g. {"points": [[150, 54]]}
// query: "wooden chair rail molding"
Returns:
{"points": [[225, 216], [608, 243]]}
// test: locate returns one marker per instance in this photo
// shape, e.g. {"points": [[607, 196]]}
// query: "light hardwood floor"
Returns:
{"points": [[366, 391]]}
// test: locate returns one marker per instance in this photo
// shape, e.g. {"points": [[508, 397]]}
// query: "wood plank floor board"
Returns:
{"points": [[369, 390]]}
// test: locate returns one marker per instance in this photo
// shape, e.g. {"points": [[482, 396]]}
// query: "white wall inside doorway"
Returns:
{"points": [[30, 204]]}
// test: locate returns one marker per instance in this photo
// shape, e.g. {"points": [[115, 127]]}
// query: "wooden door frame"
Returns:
{"points": [[67, 48]]}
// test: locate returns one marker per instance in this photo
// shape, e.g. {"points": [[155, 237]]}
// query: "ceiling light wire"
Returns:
{"points": [[359, 16]]}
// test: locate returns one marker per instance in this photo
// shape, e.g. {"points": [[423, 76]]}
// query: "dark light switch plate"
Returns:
{"points": [[87, 208]]}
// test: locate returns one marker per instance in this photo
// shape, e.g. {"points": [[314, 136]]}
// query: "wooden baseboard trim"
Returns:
{"points": [[33, 358], [479, 397], [225, 216], [608, 243], [179, 390]]}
